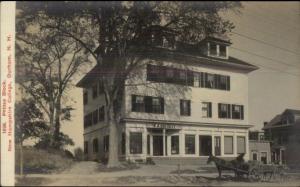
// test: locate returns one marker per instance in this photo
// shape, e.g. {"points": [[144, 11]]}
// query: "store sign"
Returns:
{"points": [[164, 126]]}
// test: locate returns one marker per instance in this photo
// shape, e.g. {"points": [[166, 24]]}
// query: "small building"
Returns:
{"points": [[207, 115], [259, 147], [284, 132]]}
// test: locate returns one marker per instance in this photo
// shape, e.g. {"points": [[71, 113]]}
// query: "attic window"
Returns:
{"points": [[222, 50], [213, 49]]}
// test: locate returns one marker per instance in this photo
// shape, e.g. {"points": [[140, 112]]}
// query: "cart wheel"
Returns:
{"points": [[254, 175]]}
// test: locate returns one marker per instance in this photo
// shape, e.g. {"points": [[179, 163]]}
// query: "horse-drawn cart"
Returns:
{"points": [[255, 171]]}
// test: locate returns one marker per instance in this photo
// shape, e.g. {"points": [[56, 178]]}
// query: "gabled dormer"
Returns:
{"points": [[162, 37], [215, 46]]}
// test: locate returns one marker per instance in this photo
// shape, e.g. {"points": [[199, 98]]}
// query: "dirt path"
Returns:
{"points": [[89, 174]]}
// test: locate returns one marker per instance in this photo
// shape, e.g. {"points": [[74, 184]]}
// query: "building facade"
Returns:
{"points": [[259, 147], [188, 101], [283, 131]]}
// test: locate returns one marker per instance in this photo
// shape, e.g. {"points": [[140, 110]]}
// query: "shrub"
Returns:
{"points": [[42, 161], [78, 154]]}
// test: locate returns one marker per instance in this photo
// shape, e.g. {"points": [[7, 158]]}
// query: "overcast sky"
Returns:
{"points": [[267, 34]]}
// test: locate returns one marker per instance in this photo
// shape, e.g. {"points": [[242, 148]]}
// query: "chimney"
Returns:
{"points": [[265, 123]]}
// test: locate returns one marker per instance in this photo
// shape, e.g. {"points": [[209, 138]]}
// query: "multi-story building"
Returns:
{"points": [[190, 100], [259, 147], [283, 131]]}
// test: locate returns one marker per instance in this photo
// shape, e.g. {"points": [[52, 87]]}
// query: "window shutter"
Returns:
{"points": [[133, 101], [148, 104], [181, 107], [242, 112], [189, 107], [228, 83], [228, 111], [201, 81], [162, 105], [219, 110], [209, 110]]}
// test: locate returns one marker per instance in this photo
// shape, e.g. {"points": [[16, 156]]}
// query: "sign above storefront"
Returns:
{"points": [[163, 126]]}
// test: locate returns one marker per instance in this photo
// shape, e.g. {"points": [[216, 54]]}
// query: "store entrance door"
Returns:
{"points": [[158, 147]]}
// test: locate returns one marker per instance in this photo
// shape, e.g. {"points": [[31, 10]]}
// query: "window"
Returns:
{"points": [[185, 107], [237, 112], [228, 145], [206, 110], [95, 91], [189, 144], [209, 80], [197, 79], [138, 104], [86, 147], [85, 98], [190, 78], [147, 104], [263, 157], [95, 117], [223, 82], [224, 110], [123, 144], [217, 145], [88, 120], [241, 144], [154, 73], [101, 113], [148, 144], [136, 143], [95, 145], [106, 143], [254, 156], [175, 145], [222, 50], [213, 49]]}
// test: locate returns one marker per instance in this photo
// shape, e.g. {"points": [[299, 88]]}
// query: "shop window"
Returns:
{"points": [[106, 143], [189, 144], [148, 144], [174, 145], [123, 143], [95, 145], [228, 145], [136, 143], [241, 144]]}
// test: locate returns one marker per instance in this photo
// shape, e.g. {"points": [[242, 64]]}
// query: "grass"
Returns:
{"points": [[42, 161]]}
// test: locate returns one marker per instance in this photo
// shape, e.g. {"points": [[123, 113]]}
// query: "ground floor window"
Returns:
{"points": [[217, 145], [241, 144], [106, 143], [189, 144], [95, 145], [263, 157], [123, 142], [136, 143], [174, 145], [254, 156], [228, 144], [86, 146]]}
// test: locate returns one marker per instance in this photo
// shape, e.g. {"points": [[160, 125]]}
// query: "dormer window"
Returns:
{"points": [[213, 49], [217, 50], [223, 51]]}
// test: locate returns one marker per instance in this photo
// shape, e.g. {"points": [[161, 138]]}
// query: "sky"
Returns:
{"points": [[267, 34]]}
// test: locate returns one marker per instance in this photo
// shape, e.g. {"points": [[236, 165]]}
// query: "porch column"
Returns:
{"points": [[164, 142], [151, 145]]}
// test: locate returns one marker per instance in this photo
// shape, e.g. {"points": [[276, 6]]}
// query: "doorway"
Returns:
{"points": [[158, 148], [205, 145]]}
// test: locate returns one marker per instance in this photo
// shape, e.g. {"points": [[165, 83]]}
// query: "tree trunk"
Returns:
{"points": [[113, 155], [21, 158], [57, 123]]}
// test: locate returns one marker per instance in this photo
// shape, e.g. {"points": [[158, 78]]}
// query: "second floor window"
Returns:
{"points": [[101, 113], [95, 117], [85, 98], [147, 104], [206, 110], [95, 91], [224, 110], [185, 107], [237, 112]]}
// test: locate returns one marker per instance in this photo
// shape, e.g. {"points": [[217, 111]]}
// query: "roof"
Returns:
{"points": [[90, 76], [218, 38], [277, 120]]}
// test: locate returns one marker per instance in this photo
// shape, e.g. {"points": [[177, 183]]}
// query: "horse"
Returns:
{"points": [[232, 165]]}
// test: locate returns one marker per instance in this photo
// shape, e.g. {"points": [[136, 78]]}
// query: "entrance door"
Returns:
{"points": [[205, 145], [158, 148]]}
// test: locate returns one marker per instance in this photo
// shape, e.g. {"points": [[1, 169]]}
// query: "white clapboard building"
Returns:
{"points": [[189, 100]]}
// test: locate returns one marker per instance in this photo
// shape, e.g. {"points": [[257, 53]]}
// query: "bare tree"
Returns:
{"points": [[117, 35]]}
